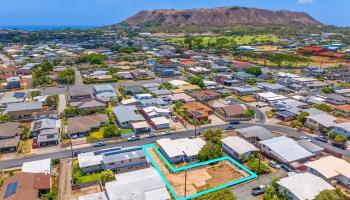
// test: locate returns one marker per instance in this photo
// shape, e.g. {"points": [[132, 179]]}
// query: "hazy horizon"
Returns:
{"points": [[93, 13]]}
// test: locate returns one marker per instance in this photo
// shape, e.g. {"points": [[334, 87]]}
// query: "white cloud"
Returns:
{"points": [[305, 1]]}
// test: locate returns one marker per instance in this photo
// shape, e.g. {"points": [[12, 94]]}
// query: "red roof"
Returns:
{"points": [[312, 48], [331, 54], [187, 62]]}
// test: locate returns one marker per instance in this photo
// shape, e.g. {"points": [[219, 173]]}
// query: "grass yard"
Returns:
{"points": [[228, 40], [96, 135], [89, 178], [25, 146]]}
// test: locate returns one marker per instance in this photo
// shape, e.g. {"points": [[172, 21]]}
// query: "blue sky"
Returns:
{"points": [[104, 12]]}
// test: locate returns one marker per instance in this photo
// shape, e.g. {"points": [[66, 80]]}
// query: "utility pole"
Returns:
{"points": [[259, 158], [185, 179], [195, 126]]}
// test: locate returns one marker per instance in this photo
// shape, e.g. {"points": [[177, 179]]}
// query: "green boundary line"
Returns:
{"points": [[251, 176]]}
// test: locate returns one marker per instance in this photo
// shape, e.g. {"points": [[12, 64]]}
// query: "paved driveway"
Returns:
{"points": [[243, 192]]}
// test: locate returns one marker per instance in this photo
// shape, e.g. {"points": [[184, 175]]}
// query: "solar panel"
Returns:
{"points": [[196, 113], [19, 94], [10, 189]]}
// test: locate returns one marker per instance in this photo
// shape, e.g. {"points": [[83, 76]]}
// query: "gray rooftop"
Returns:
{"points": [[255, 131], [313, 148], [24, 106], [127, 113]]}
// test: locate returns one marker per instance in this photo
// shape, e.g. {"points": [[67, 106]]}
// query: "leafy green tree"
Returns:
{"points": [[5, 118], [340, 138], [302, 117], [272, 192], [197, 80], [253, 165], [111, 131], [67, 76], [336, 194], [35, 93], [49, 196], [249, 113], [46, 66], [209, 151], [25, 133], [107, 176], [328, 90], [213, 135], [323, 107], [254, 71], [223, 194], [93, 58]]}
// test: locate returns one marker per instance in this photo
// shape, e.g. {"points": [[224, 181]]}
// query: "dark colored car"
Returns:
{"points": [[321, 139], [76, 153], [99, 144], [234, 122], [285, 167], [258, 190], [230, 128]]}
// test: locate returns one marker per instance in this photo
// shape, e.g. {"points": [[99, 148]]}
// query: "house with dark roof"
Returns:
{"points": [[9, 136], [205, 95], [45, 131], [83, 125]]}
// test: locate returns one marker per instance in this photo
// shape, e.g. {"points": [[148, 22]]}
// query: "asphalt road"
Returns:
{"points": [[188, 133]]}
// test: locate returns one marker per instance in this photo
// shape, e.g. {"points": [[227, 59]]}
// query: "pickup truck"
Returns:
{"points": [[258, 190]]}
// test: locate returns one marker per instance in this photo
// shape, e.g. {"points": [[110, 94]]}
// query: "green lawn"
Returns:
{"points": [[96, 135], [89, 178], [126, 131]]}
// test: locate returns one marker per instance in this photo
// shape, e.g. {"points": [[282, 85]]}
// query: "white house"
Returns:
{"points": [[154, 111], [238, 148], [160, 122], [331, 169], [320, 121], [179, 150], [303, 186]]}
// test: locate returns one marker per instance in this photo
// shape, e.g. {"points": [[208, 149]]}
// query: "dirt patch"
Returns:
{"points": [[85, 191], [200, 178]]}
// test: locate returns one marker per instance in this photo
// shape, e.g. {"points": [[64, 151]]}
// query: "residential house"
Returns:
{"points": [[254, 134], [29, 186], [320, 121], [45, 131], [243, 76], [270, 97], [238, 148], [232, 112], [125, 115], [342, 129], [342, 109], [12, 97], [23, 111], [124, 75], [180, 150], [9, 136], [143, 184], [311, 147], [276, 149], [272, 87], [104, 91], [78, 93], [133, 90], [182, 97], [205, 95], [38, 166], [331, 169], [337, 99], [141, 74], [117, 159], [153, 111], [245, 90], [152, 102], [197, 111], [13, 82], [140, 127], [217, 68], [303, 186], [160, 122], [51, 114], [83, 125]]}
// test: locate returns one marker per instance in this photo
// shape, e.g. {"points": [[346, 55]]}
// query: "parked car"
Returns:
{"points": [[152, 134], [322, 139], [174, 118], [305, 138], [258, 190], [285, 167], [134, 138], [341, 145], [76, 153], [165, 133], [234, 122], [99, 144], [230, 128], [274, 164]]}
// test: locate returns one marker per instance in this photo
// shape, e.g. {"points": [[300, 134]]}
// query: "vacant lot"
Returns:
{"points": [[200, 178]]}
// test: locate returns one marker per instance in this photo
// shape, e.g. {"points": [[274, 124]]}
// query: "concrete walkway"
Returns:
{"points": [[64, 181]]}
